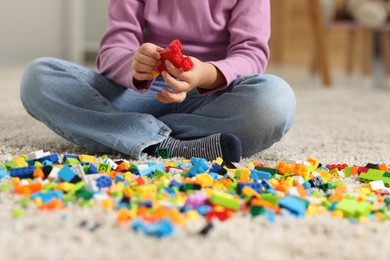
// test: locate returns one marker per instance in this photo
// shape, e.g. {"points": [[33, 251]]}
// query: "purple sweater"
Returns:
{"points": [[231, 34]]}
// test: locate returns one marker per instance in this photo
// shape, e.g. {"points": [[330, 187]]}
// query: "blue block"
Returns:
{"points": [[176, 184], [199, 166], [66, 156], [202, 210], [262, 174], [158, 229], [3, 173], [92, 169], [254, 176], [52, 158], [47, 196], [66, 174], [119, 178], [306, 185], [146, 203], [104, 181], [22, 172], [147, 171], [295, 205]]}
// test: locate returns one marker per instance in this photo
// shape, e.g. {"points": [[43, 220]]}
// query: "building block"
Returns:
{"points": [[68, 175], [3, 173], [23, 172], [163, 153], [226, 200], [353, 209], [162, 228], [295, 205], [173, 54], [104, 181]]}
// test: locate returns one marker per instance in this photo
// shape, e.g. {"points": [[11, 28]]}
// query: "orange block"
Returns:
{"points": [[38, 173], [354, 170], [265, 204], [383, 167], [301, 191], [123, 166], [245, 173], [123, 215]]}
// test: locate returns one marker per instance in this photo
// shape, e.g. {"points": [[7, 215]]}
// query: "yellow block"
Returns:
{"points": [[204, 179], [86, 158], [64, 186]]}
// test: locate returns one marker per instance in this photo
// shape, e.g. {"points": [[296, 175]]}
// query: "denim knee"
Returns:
{"points": [[32, 84], [271, 104]]}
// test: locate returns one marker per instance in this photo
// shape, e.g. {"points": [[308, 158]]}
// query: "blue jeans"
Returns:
{"points": [[90, 110]]}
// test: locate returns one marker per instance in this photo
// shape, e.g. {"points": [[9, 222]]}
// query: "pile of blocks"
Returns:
{"points": [[154, 198]]}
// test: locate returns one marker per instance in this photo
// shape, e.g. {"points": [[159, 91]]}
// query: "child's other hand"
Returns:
{"points": [[183, 82], [146, 59]]}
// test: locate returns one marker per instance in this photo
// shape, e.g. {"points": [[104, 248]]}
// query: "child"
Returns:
{"points": [[224, 106]]}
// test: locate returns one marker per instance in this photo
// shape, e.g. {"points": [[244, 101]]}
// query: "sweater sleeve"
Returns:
{"points": [[118, 45], [248, 50]]}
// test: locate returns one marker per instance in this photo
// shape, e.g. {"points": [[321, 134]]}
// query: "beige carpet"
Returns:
{"points": [[348, 123]]}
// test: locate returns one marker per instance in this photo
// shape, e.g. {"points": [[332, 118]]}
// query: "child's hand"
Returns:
{"points": [[203, 75], [146, 59]]}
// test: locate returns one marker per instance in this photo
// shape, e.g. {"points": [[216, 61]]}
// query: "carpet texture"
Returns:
{"points": [[347, 123]]}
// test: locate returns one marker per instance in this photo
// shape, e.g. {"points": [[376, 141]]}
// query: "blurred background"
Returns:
{"points": [[71, 29]]}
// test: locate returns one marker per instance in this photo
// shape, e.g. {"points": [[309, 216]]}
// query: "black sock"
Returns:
{"points": [[226, 146]]}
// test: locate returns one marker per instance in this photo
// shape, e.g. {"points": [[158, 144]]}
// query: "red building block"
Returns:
{"points": [[173, 54]]}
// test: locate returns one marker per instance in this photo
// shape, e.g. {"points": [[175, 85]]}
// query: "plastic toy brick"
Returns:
{"points": [[23, 172], [158, 229], [254, 185], [68, 175], [3, 173], [375, 175], [225, 200], [262, 175], [104, 167], [86, 158], [295, 205], [204, 179], [111, 163], [199, 166], [173, 54], [104, 181], [353, 209], [256, 210], [163, 153], [206, 229], [272, 171]]}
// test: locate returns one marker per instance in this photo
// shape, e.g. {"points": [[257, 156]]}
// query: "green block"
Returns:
{"points": [[104, 167], [76, 187], [163, 153], [238, 174], [49, 186], [84, 194], [272, 171], [353, 208], [11, 164], [270, 198], [225, 201], [336, 183], [232, 187], [5, 187], [18, 213], [256, 210], [23, 202], [159, 173], [71, 161], [347, 171]]}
